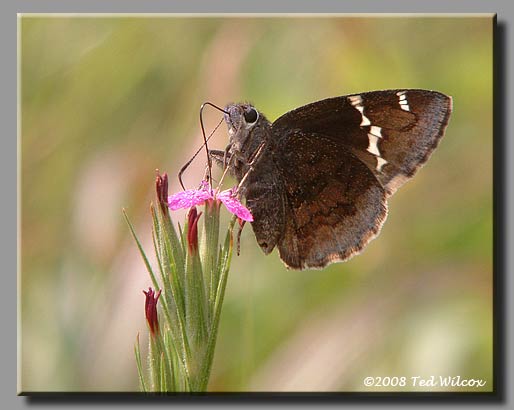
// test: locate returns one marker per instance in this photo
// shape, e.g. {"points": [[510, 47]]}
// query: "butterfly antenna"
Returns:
{"points": [[209, 160], [205, 139], [186, 165]]}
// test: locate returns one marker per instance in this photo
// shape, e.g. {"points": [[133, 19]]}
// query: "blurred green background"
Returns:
{"points": [[106, 101]]}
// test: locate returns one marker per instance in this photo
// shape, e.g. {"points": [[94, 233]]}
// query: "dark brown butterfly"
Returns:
{"points": [[317, 179]]}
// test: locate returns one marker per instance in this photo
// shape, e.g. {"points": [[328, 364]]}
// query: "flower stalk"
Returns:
{"points": [[183, 316]]}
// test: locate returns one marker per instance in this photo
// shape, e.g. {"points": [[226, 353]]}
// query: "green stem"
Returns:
{"points": [[210, 250], [223, 269]]}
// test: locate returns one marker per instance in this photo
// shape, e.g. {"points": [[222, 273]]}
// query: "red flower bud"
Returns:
{"points": [[161, 186], [192, 229], [151, 310]]}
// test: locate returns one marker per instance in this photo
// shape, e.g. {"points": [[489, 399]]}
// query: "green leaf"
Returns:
{"points": [[165, 270], [173, 365], [162, 365], [137, 353], [154, 360], [177, 248], [141, 251]]}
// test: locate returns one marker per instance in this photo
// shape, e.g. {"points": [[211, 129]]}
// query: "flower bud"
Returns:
{"points": [[192, 229], [151, 310], [161, 186]]}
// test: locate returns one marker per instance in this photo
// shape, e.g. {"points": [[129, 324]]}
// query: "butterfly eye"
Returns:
{"points": [[250, 115]]}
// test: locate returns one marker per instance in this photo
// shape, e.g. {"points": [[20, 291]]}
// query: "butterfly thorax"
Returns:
{"points": [[251, 161]]}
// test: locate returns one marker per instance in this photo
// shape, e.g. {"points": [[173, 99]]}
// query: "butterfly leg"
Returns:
{"points": [[218, 156], [222, 158], [252, 160], [227, 157], [241, 225]]}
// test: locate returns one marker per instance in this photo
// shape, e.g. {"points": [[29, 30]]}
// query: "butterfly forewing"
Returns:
{"points": [[393, 132]]}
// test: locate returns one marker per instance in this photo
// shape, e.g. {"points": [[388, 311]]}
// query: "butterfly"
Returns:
{"points": [[317, 179]]}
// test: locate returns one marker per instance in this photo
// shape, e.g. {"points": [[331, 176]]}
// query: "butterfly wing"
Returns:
{"points": [[333, 203], [393, 132]]}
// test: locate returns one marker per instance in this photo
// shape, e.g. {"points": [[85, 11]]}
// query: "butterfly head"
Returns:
{"points": [[242, 121], [239, 117]]}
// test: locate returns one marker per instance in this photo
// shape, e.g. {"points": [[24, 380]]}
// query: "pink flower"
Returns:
{"points": [[193, 197], [233, 205]]}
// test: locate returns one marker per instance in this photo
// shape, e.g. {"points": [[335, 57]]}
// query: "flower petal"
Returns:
{"points": [[234, 206], [189, 198]]}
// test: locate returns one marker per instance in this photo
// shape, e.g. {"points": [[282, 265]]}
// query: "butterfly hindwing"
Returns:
{"points": [[334, 205]]}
